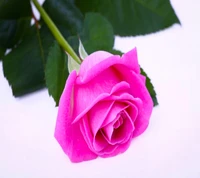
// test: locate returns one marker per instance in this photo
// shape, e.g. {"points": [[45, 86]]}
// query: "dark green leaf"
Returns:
{"points": [[24, 65], [97, 33], [14, 9], [65, 15], [15, 16], [11, 31], [56, 71], [7, 32], [133, 17], [74, 43], [117, 52], [150, 88], [2, 52]]}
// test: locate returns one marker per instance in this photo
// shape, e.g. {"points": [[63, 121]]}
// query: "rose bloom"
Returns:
{"points": [[103, 107]]}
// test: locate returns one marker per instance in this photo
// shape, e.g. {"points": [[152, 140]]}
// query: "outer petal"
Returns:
{"points": [[96, 67], [67, 134], [131, 59], [92, 60], [143, 78]]}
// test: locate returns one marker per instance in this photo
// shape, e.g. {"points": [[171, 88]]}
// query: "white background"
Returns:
{"points": [[170, 147]]}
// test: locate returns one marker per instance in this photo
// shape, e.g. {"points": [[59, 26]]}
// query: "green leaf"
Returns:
{"points": [[150, 88], [56, 71], [11, 31], [14, 9], [65, 15], [24, 65], [15, 16], [117, 52], [2, 52], [97, 33], [74, 43], [7, 32], [133, 17]]}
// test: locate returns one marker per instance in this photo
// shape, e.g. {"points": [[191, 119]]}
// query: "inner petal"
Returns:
{"points": [[118, 123], [119, 130], [124, 132], [113, 113], [98, 114], [96, 142], [99, 142], [134, 108], [107, 131]]}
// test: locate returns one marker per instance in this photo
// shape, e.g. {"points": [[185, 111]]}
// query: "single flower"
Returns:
{"points": [[103, 107]]}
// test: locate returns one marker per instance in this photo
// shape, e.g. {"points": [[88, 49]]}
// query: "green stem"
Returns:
{"points": [[56, 32]]}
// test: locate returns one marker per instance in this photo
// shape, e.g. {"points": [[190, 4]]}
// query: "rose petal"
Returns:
{"points": [[69, 135], [107, 126], [129, 60], [143, 78], [108, 150], [83, 106], [134, 108], [103, 111], [87, 108], [114, 111], [99, 142], [98, 114], [132, 60], [122, 133], [91, 123], [86, 94], [95, 142], [117, 150], [119, 88], [138, 90], [92, 60], [124, 97]]}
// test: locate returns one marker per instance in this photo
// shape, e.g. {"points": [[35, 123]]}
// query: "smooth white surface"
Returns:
{"points": [[170, 147]]}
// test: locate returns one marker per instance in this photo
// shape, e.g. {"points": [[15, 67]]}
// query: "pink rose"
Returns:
{"points": [[103, 107]]}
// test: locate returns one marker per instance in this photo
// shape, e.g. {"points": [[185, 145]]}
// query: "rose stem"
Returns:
{"points": [[56, 32]]}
